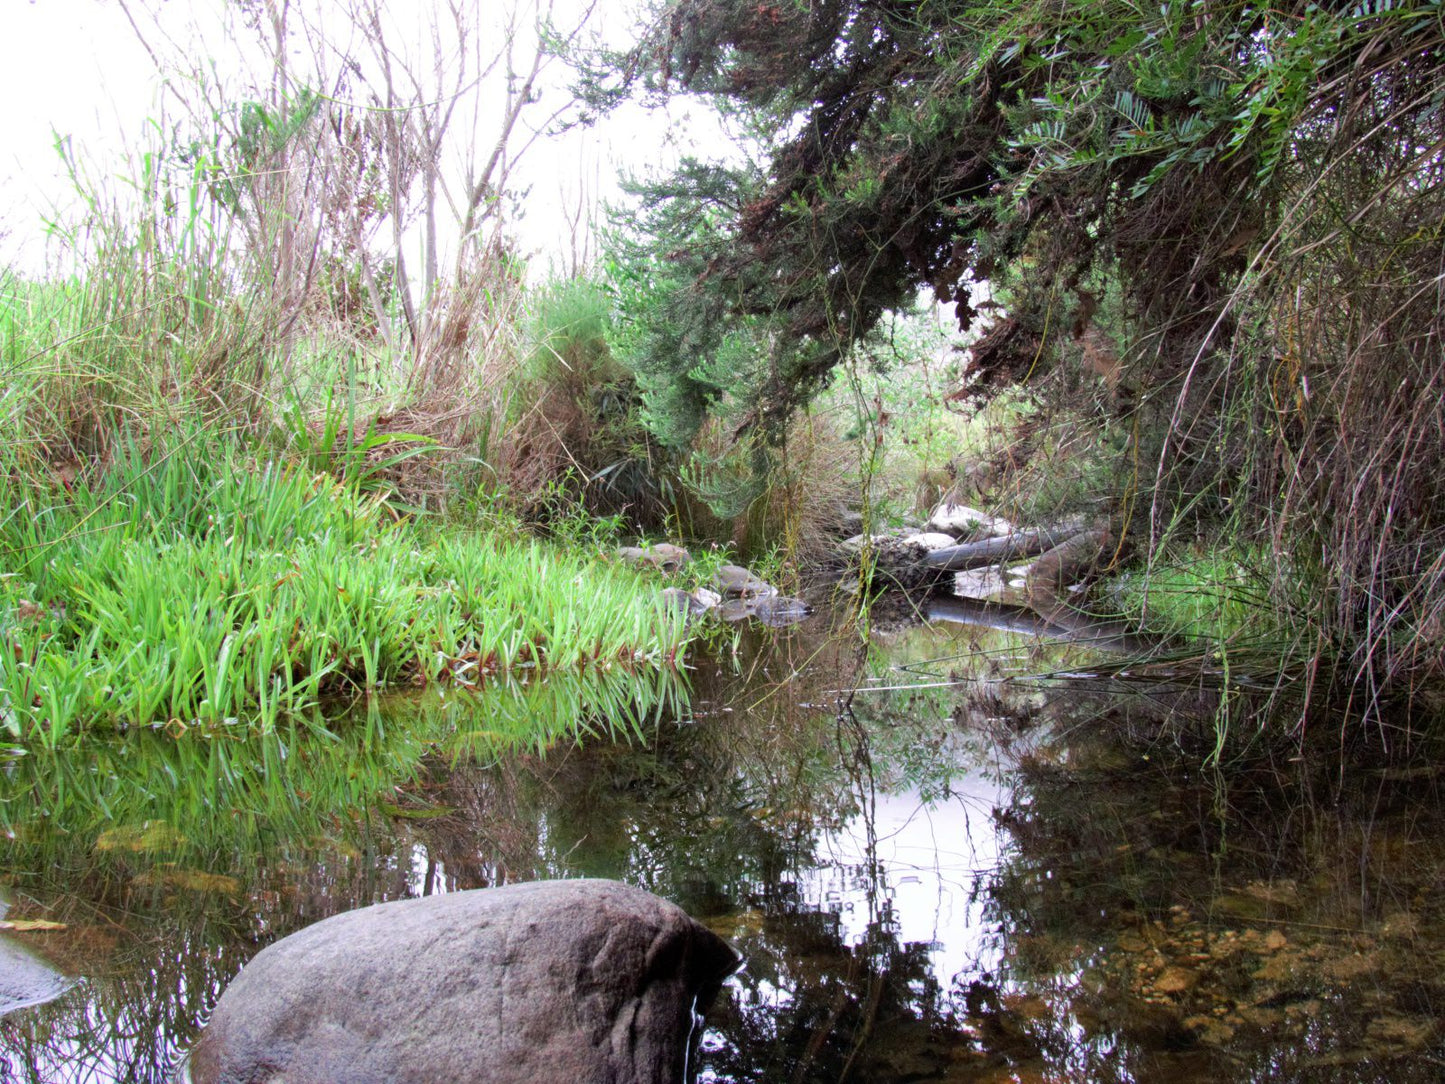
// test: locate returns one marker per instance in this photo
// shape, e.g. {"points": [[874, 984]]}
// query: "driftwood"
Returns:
{"points": [[1055, 569], [995, 550], [1048, 611]]}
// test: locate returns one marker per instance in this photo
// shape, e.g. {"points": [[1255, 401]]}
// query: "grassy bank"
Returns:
{"points": [[197, 583]]}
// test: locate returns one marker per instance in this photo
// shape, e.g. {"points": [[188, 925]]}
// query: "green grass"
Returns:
{"points": [[1213, 596], [195, 585]]}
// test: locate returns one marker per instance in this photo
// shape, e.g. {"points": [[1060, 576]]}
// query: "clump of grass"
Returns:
{"points": [[194, 585], [1213, 596], [574, 429]]}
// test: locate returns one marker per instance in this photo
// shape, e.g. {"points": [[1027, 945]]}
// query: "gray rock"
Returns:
{"points": [[678, 599], [635, 555], [857, 543], [929, 541], [780, 610], [961, 521], [705, 598], [734, 581], [736, 609], [693, 603], [663, 555], [668, 557], [570, 981], [903, 544]]}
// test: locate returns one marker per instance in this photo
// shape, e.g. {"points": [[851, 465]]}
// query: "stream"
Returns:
{"points": [[941, 860]]}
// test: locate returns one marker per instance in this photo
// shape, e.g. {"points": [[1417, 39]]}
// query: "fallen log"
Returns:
{"points": [[995, 550], [1060, 566], [1062, 622]]}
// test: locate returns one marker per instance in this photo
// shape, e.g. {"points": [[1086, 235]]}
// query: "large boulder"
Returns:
{"points": [[581, 980]]}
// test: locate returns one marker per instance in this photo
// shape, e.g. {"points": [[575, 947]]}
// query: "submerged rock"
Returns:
{"points": [[547, 981], [781, 610]]}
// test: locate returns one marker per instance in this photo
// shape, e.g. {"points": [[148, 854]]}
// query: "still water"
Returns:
{"points": [[941, 863]]}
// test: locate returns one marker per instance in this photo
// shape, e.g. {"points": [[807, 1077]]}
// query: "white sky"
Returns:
{"points": [[77, 68]]}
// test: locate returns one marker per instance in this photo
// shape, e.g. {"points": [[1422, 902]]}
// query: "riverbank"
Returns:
{"points": [[196, 583]]}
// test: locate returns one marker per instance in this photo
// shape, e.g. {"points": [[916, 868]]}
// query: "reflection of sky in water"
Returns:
{"points": [[916, 867], [926, 861]]}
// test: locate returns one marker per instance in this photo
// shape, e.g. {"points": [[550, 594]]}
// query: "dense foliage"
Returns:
{"points": [[1231, 212]]}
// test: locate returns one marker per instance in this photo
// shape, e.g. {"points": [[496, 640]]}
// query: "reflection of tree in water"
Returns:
{"points": [[730, 812], [811, 1007], [1126, 858], [725, 815]]}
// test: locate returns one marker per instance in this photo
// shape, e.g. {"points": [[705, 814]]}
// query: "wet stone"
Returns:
{"points": [[663, 556], [780, 610], [681, 600], [735, 609]]}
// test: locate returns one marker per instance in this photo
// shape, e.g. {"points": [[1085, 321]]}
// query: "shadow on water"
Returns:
{"points": [[936, 871]]}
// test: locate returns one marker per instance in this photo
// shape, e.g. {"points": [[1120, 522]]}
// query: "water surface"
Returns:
{"points": [[936, 870]]}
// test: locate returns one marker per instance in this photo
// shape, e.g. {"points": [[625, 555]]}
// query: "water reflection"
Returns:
{"points": [[936, 872], [171, 859]]}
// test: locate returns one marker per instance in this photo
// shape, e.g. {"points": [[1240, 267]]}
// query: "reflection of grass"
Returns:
{"points": [[145, 799], [171, 861], [196, 585]]}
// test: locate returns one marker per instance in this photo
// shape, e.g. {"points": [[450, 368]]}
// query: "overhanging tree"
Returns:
{"points": [[1260, 187]]}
